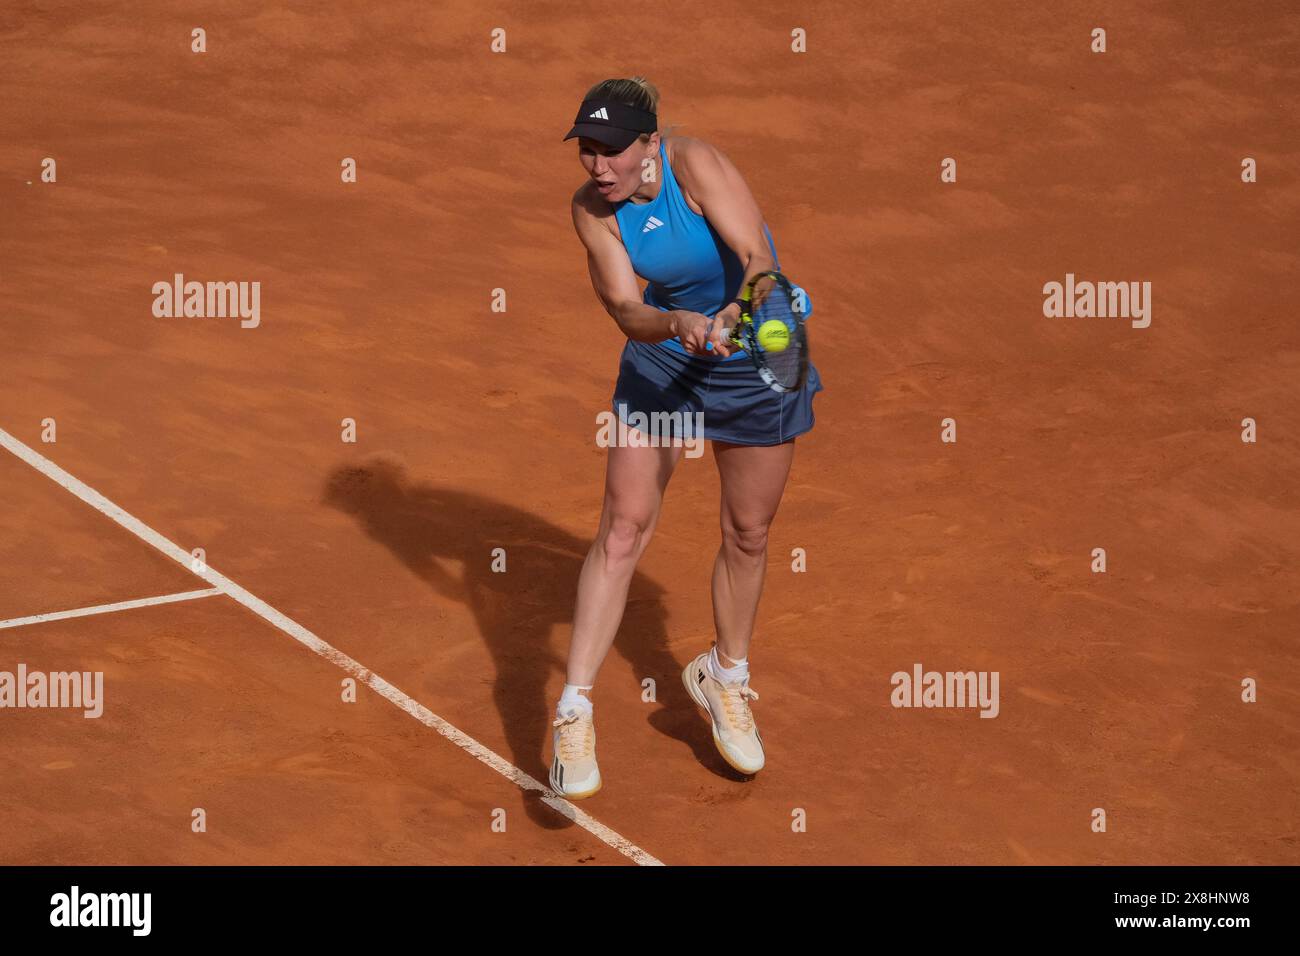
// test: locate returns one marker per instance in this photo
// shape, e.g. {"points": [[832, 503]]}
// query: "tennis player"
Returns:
{"points": [[675, 211]]}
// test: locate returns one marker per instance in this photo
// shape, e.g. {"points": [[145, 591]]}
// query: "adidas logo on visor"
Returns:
{"points": [[599, 114]]}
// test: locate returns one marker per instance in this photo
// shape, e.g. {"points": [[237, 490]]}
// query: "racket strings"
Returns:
{"points": [[775, 303]]}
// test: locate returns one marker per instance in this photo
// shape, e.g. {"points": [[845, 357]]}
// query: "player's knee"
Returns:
{"points": [[748, 539], [625, 537]]}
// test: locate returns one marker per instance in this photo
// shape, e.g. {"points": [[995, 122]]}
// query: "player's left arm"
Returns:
{"points": [[730, 208]]}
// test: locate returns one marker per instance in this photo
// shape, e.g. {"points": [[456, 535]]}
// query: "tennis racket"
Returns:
{"points": [[770, 298]]}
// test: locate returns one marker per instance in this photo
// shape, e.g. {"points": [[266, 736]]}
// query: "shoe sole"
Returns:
{"points": [[698, 696], [575, 796]]}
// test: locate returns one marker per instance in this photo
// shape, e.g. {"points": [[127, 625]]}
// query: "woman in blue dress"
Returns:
{"points": [[676, 212]]}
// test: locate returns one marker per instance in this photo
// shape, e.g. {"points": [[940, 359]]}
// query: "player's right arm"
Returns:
{"points": [[615, 282]]}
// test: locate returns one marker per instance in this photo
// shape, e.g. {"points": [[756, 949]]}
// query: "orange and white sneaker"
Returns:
{"points": [[734, 731], [574, 773]]}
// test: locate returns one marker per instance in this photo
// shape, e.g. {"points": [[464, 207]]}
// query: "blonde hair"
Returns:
{"points": [[635, 91]]}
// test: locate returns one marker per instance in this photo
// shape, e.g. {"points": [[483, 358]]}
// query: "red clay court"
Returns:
{"points": [[475, 430]]}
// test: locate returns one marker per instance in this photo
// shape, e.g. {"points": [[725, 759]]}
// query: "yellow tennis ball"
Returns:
{"points": [[773, 336]]}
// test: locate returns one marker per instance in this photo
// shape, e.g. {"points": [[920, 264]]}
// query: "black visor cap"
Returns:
{"points": [[614, 124]]}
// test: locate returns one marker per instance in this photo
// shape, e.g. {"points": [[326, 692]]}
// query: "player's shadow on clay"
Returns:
{"points": [[446, 538]]}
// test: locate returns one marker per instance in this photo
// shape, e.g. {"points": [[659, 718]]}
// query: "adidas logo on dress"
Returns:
{"points": [[652, 223]]}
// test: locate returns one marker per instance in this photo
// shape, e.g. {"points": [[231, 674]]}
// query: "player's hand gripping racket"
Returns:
{"points": [[771, 330]]}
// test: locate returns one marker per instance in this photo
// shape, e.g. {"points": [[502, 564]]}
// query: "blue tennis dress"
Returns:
{"points": [[687, 265]]}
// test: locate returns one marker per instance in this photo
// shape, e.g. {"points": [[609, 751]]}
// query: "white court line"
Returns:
{"points": [[336, 657], [109, 608]]}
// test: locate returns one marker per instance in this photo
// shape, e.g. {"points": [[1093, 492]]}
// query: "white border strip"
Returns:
{"points": [[109, 608], [336, 657]]}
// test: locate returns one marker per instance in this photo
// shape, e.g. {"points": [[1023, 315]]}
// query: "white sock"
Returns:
{"points": [[571, 699], [728, 675]]}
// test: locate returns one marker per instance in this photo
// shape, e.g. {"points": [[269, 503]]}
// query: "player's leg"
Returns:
{"points": [[753, 481], [635, 479]]}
